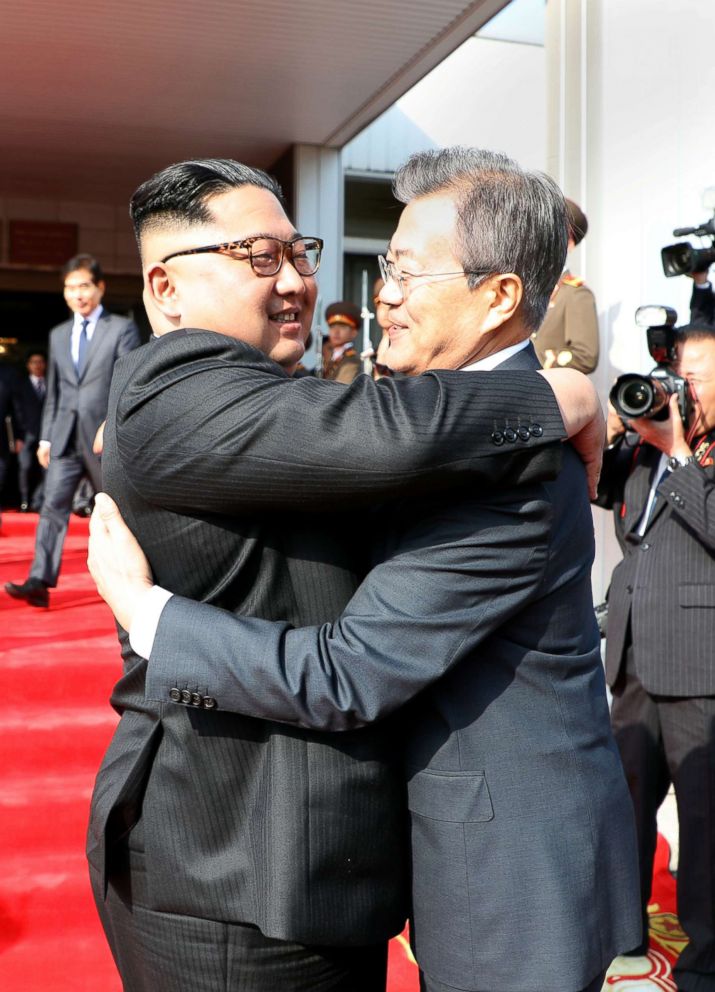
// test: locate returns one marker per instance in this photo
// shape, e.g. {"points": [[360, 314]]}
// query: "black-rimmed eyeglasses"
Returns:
{"points": [[266, 255]]}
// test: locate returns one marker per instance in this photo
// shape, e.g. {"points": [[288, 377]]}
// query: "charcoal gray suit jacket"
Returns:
{"points": [[524, 865], [663, 590], [212, 453], [80, 402]]}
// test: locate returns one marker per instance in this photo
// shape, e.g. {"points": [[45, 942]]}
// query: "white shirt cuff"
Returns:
{"points": [[703, 285], [146, 620]]}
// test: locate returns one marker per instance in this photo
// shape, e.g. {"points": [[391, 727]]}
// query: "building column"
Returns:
{"points": [[318, 209]]}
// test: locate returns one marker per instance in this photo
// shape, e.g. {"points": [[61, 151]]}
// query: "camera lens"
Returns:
{"points": [[636, 398]]}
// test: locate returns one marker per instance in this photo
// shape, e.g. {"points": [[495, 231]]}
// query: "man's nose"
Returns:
{"points": [[391, 293], [289, 280]]}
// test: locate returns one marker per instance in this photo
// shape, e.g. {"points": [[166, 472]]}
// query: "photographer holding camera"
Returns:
{"points": [[659, 479]]}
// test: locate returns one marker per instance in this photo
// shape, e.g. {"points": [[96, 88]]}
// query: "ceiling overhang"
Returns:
{"points": [[98, 97]]}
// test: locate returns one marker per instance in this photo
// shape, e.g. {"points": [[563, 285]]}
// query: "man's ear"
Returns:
{"points": [[161, 291], [504, 294]]}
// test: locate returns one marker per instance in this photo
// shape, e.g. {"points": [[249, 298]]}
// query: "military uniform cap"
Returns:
{"points": [[343, 312]]}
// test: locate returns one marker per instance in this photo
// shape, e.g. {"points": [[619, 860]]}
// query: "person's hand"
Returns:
{"points": [[43, 455], [614, 425], [699, 278], [115, 561], [668, 435], [98, 443], [583, 418], [19, 445]]}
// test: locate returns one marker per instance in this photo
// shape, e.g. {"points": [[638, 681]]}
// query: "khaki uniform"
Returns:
{"points": [[570, 327], [345, 369]]}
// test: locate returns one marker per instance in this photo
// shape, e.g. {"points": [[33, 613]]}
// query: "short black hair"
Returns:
{"points": [[180, 193], [695, 332], [88, 262]]}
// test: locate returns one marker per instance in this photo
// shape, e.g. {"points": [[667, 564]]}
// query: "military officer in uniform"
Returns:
{"points": [[342, 361], [568, 336]]}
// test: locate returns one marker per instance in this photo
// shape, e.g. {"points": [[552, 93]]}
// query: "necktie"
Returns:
{"points": [[40, 389], [83, 345]]}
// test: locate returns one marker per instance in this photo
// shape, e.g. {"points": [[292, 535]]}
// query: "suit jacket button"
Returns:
{"points": [[196, 699], [510, 435], [497, 437], [524, 433], [175, 695], [645, 547], [629, 589], [185, 696], [209, 703], [536, 430]]}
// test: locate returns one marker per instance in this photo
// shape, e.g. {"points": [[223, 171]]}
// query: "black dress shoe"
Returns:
{"points": [[34, 592]]}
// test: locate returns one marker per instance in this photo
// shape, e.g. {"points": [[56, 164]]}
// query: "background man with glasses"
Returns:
{"points": [[228, 852], [83, 351]]}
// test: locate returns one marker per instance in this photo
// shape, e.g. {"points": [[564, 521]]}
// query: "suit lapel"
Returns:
{"points": [[63, 357]]}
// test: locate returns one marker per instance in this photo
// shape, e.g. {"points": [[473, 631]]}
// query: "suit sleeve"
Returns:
{"points": [[702, 306], [216, 436], [617, 464], [129, 339], [447, 587], [50, 407], [581, 330], [690, 492]]}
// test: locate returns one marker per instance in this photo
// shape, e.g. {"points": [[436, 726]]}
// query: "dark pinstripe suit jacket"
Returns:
{"points": [[665, 584], [524, 864], [297, 832]]}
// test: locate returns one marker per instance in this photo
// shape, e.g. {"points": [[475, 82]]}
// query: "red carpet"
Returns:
{"points": [[58, 667]]}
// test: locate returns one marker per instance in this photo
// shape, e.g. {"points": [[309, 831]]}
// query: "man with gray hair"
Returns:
{"points": [[476, 620]]}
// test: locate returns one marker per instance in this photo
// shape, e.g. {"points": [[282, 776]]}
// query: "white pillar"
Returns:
{"points": [[630, 86], [318, 209]]}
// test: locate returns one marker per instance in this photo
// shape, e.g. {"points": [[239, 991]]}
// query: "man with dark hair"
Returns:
{"points": [[32, 392], [659, 480], [489, 589], [568, 336], [83, 351]]}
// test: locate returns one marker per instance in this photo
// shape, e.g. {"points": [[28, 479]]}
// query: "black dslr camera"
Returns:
{"points": [[635, 395], [682, 259]]}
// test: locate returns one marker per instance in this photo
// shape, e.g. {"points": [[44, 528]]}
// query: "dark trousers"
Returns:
{"points": [[664, 739], [63, 475], [174, 953]]}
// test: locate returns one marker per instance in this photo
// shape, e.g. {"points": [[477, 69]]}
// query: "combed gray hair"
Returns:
{"points": [[508, 219]]}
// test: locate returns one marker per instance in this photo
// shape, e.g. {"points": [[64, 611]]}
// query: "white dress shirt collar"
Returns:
{"points": [[496, 358]]}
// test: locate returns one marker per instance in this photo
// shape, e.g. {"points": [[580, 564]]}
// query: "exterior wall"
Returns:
{"points": [[489, 93], [104, 230], [630, 139]]}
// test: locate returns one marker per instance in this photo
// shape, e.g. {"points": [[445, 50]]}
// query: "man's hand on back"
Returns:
{"points": [[583, 418], [116, 562]]}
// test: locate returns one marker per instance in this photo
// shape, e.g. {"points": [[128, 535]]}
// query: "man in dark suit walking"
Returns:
{"points": [[83, 351], [523, 851], [32, 392], [227, 852], [660, 483]]}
